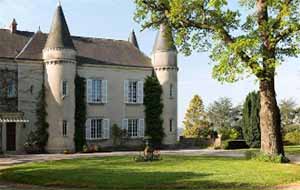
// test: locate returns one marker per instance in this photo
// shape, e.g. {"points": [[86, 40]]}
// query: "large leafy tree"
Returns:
{"points": [[242, 43], [195, 120], [251, 130]]}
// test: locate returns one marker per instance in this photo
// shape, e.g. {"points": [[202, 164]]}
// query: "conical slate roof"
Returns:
{"points": [[59, 36], [164, 40], [132, 39]]}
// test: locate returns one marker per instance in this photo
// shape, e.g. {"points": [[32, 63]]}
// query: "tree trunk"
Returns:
{"points": [[271, 136]]}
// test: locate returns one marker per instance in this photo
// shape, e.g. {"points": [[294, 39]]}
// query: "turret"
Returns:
{"points": [[164, 61], [59, 56]]}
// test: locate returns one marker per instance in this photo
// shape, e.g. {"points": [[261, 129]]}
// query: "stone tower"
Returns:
{"points": [[59, 56], [164, 61]]}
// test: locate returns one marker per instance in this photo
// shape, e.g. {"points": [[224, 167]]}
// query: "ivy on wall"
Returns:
{"points": [[41, 132], [80, 113], [153, 110]]}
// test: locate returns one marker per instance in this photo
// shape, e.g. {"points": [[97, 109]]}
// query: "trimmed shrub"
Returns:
{"points": [[229, 133], [235, 144], [153, 110], [251, 121], [80, 114], [292, 138]]}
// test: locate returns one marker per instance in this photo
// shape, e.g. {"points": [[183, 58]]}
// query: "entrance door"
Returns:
{"points": [[11, 136]]}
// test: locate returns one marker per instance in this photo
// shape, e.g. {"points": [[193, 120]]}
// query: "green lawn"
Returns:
{"points": [[289, 150], [173, 172], [292, 149]]}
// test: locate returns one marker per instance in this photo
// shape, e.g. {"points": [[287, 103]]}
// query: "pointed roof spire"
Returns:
{"points": [[59, 36], [132, 39], [164, 40]]}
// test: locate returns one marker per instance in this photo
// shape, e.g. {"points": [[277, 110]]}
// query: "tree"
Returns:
{"points": [[288, 111], [249, 43], [236, 117], [195, 118], [219, 113], [80, 113], [153, 110], [41, 133], [251, 130]]}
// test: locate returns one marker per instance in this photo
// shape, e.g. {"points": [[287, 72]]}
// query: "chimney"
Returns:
{"points": [[13, 26]]}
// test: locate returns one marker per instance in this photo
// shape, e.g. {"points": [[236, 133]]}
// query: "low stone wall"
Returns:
{"points": [[194, 142]]}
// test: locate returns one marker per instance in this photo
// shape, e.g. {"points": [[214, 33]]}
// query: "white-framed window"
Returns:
{"points": [[134, 91], [96, 91], [97, 128], [65, 128], [11, 89], [134, 127], [64, 88]]}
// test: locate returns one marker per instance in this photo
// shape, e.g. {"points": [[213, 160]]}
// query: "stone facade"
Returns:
{"points": [[114, 71]]}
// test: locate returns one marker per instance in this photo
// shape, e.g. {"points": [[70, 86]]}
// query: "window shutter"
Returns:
{"points": [[89, 92], [126, 86], [104, 91], [106, 128], [141, 92], [88, 129], [141, 128]]}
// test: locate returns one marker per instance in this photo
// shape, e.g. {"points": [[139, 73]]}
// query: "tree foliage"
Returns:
{"points": [[252, 39], [219, 113], [40, 135], [80, 113], [288, 111], [251, 129], [195, 119], [237, 40], [153, 110]]}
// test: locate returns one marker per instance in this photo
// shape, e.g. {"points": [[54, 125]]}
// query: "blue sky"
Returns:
{"points": [[113, 19]]}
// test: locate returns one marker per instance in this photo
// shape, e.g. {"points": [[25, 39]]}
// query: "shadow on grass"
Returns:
{"points": [[116, 178]]}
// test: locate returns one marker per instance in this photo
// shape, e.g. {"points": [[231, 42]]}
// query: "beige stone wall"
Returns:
{"points": [[30, 81], [115, 109], [32, 74], [165, 64]]}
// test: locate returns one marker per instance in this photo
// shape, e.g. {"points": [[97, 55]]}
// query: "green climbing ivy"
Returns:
{"points": [[153, 110], [80, 113]]}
